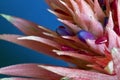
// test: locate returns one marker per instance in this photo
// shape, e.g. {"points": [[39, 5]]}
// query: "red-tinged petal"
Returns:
{"points": [[35, 45], [41, 40], [77, 42], [80, 60], [15, 78], [29, 70], [97, 68], [116, 60], [27, 27], [75, 55], [79, 74], [103, 61], [98, 11]]}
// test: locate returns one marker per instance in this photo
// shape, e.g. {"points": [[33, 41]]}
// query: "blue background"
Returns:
{"points": [[35, 11]]}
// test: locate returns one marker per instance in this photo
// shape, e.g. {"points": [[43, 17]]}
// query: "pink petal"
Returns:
{"points": [[79, 74], [29, 70]]}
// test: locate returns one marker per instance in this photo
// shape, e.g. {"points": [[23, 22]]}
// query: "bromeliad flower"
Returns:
{"points": [[89, 40]]}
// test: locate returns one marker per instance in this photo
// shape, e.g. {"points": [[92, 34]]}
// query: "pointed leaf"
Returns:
{"points": [[27, 27]]}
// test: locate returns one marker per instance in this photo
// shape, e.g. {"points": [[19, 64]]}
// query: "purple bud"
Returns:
{"points": [[102, 4], [64, 31], [105, 21], [83, 35]]}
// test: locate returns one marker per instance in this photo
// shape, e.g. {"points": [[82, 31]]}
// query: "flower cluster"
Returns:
{"points": [[89, 40]]}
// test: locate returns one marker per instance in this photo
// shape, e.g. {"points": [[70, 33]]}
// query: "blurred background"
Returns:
{"points": [[35, 11]]}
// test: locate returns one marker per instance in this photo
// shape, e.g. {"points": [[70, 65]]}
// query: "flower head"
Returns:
{"points": [[89, 39]]}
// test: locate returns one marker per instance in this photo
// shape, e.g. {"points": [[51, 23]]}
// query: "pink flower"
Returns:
{"points": [[89, 40]]}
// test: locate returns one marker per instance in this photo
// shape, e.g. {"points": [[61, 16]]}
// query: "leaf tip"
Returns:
{"points": [[8, 17]]}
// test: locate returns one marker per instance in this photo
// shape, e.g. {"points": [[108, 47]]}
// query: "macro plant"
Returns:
{"points": [[89, 40]]}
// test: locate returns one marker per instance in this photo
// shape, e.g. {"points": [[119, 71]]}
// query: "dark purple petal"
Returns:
{"points": [[105, 21], [64, 31], [84, 35], [101, 2]]}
